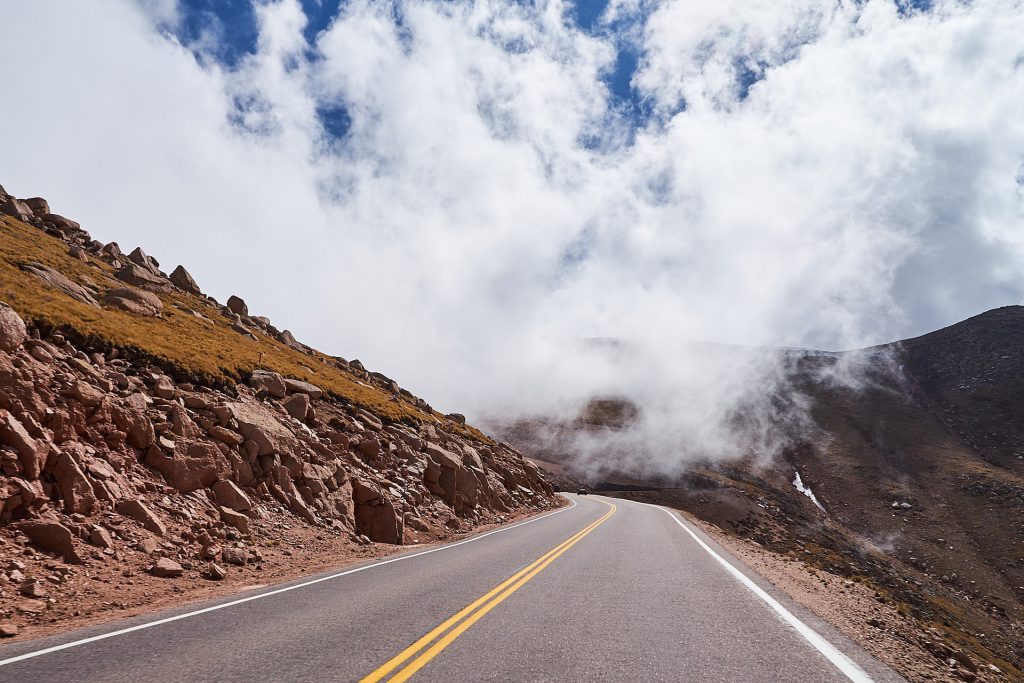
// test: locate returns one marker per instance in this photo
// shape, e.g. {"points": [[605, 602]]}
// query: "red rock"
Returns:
{"points": [[297, 406], [51, 537], [235, 519], [230, 496], [183, 280], [271, 382], [138, 511], [264, 428], [74, 487], [12, 329], [295, 386], [31, 454], [166, 568], [133, 301], [234, 556], [215, 572]]}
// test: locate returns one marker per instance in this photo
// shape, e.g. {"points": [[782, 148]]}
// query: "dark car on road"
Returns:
{"points": [[581, 492]]}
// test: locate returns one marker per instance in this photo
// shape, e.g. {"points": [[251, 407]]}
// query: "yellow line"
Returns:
{"points": [[509, 586]]}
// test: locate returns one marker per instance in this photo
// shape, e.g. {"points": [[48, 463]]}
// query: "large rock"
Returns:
{"points": [[297, 406], [230, 496], [272, 382], [235, 519], [12, 329], [141, 258], [134, 301], [74, 486], [15, 207], [39, 206], [295, 386], [238, 306], [194, 465], [263, 428], [138, 511], [31, 453], [138, 276], [183, 281], [60, 281], [60, 221], [381, 522], [51, 537], [166, 568]]}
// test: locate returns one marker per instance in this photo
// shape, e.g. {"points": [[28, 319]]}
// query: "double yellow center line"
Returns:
{"points": [[426, 648]]}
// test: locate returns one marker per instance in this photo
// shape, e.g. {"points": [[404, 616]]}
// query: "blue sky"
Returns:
{"points": [[233, 23]]}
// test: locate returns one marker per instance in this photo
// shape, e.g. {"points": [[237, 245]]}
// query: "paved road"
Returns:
{"points": [[607, 590]]}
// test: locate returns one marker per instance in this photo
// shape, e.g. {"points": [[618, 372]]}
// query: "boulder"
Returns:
{"points": [[31, 453], [194, 465], [166, 568], [12, 329], [39, 206], [381, 522], [60, 221], [60, 281], [297, 406], [133, 301], [51, 537], [443, 456], [272, 382], [15, 207], [235, 556], [263, 428], [183, 281], [100, 537], [237, 306], [235, 519], [137, 276], [138, 511], [226, 436], [288, 339], [230, 496], [140, 258], [215, 572], [72, 483], [295, 386]]}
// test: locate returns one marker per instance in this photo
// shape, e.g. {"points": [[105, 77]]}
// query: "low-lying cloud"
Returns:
{"points": [[803, 174]]}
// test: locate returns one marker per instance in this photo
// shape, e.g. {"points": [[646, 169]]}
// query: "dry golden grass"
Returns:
{"points": [[205, 346]]}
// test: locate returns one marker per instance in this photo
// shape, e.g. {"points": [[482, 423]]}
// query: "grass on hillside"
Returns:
{"points": [[205, 346]]}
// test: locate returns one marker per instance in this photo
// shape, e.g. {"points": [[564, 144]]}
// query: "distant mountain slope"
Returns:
{"points": [[919, 475]]}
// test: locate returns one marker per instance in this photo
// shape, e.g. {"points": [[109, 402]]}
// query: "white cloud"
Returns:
{"points": [[462, 236]]}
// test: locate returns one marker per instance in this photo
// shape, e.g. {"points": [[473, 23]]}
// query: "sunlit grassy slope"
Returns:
{"points": [[205, 346]]}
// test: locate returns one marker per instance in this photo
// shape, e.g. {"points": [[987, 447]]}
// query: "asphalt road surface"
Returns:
{"points": [[606, 590]]}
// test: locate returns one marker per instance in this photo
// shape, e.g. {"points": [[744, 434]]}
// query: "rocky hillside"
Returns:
{"points": [[913, 485], [148, 431]]}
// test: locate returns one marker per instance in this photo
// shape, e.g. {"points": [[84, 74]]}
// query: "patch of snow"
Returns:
{"points": [[799, 484]]}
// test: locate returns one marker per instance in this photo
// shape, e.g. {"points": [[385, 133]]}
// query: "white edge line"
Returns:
{"points": [[232, 603], [834, 655]]}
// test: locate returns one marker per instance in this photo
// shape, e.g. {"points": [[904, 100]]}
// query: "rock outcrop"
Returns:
{"points": [[110, 450]]}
